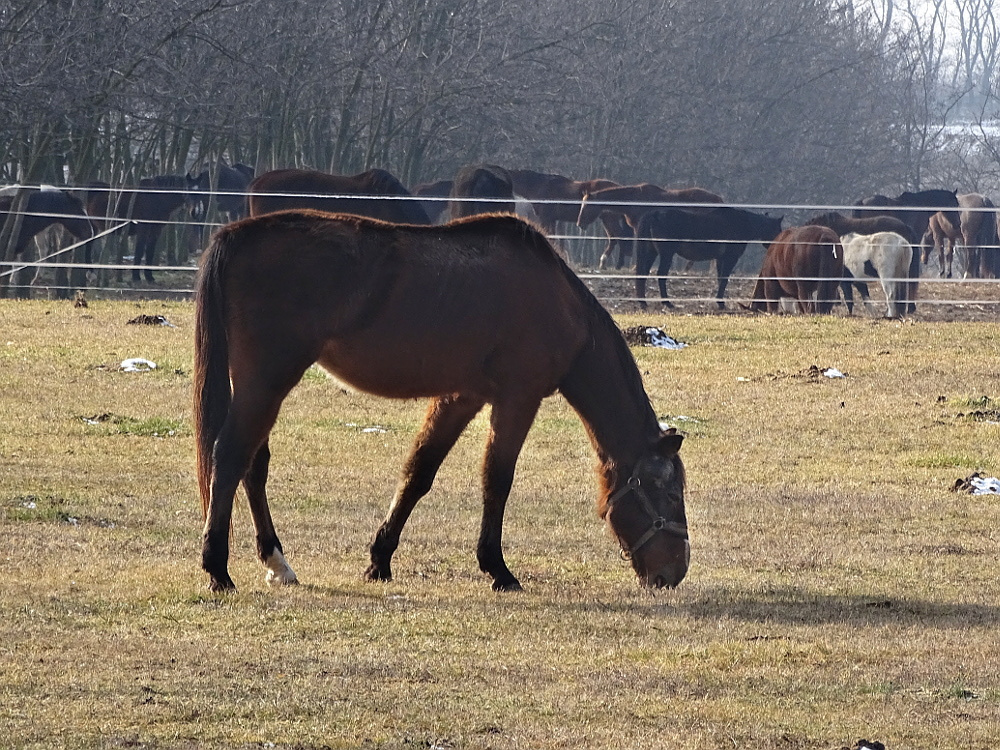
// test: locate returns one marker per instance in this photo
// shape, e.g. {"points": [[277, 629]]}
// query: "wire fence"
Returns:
{"points": [[106, 277]]}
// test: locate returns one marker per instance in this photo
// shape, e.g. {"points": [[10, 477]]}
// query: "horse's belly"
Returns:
{"points": [[399, 372]]}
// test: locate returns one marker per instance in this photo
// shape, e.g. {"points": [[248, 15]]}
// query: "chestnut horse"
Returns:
{"points": [[977, 229], [375, 193], [804, 263], [479, 311], [557, 198], [638, 199], [719, 233]]}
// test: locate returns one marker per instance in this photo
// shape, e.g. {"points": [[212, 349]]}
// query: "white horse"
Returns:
{"points": [[884, 256]]}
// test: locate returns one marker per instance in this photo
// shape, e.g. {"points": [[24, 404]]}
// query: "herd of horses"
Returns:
{"points": [[357, 275], [652, 223]]}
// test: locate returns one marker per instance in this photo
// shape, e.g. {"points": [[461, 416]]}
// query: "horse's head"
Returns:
{"points": [[770, 227], [589, 211], [646, 513]]}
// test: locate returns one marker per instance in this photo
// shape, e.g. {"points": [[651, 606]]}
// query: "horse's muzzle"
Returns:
{"points": [[669, 576]]}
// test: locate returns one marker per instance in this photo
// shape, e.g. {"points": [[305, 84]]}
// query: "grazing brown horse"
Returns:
{"points": [[478, 311], [800, 263], [481, 181], [375, 193], [636, 200], [565, 195]]}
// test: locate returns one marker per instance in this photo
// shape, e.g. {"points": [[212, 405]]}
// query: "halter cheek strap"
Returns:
{"points": [[671, 528]]}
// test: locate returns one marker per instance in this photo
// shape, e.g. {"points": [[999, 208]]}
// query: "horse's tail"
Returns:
{"points": [[212, 389]]}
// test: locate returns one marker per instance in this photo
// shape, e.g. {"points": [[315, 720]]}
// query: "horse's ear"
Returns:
{"points": [[669, 443]]}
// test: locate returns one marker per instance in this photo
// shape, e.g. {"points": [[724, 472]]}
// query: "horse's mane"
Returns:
{"points": [[599, 319]]}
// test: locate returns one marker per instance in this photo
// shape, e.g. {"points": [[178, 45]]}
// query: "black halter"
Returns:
{"points": [[671, 528]]}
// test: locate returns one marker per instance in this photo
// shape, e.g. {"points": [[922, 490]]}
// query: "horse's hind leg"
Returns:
{"points": [[662, 271], [444, 423], [510, 422], [245, 430], [268, 547]]}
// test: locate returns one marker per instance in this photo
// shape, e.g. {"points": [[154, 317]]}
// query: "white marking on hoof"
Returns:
{"points": [[279, 573]]}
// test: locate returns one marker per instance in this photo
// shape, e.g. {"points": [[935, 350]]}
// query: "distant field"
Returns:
{"points": [[838, 589]]}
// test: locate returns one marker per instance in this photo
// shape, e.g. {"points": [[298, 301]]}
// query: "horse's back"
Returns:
{"points": [[886, 253], [403, 311], [286, 189]]}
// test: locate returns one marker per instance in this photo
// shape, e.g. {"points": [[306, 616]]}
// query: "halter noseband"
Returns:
{"points": [[671, 528]]}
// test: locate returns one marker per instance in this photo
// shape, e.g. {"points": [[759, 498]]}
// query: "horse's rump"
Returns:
{"points": [[801, 262]]}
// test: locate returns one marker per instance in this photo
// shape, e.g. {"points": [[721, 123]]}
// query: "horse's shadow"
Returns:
{"points": [[792, 605]]}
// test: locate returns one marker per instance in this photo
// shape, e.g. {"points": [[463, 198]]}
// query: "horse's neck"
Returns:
{"points": [[605, 390]]}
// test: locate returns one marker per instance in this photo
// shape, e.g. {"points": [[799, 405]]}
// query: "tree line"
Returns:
{"points": [[760, 100]]}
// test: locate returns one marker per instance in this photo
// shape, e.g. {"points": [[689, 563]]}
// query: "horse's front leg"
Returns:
{"points": [[510, 421], [140, 251], [268, 547], [446, 418], [724, 265], [154, 236], [644, 258]]}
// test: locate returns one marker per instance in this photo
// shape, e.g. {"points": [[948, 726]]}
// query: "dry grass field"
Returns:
{"points": [[838, 589]]}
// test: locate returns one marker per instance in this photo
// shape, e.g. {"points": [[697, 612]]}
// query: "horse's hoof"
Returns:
{"points": [[378, 573], [512, 585], [221, 584], [279, 573]]}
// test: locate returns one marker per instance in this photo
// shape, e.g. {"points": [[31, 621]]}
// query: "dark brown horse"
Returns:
{"points": [[434, 197], [635, 201], [863, 225], [44, 208], [149, 208], [803, 263], [557, 198], [719, 233], [375, 193], [481, 181], [230, 190], [479, 311]]}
